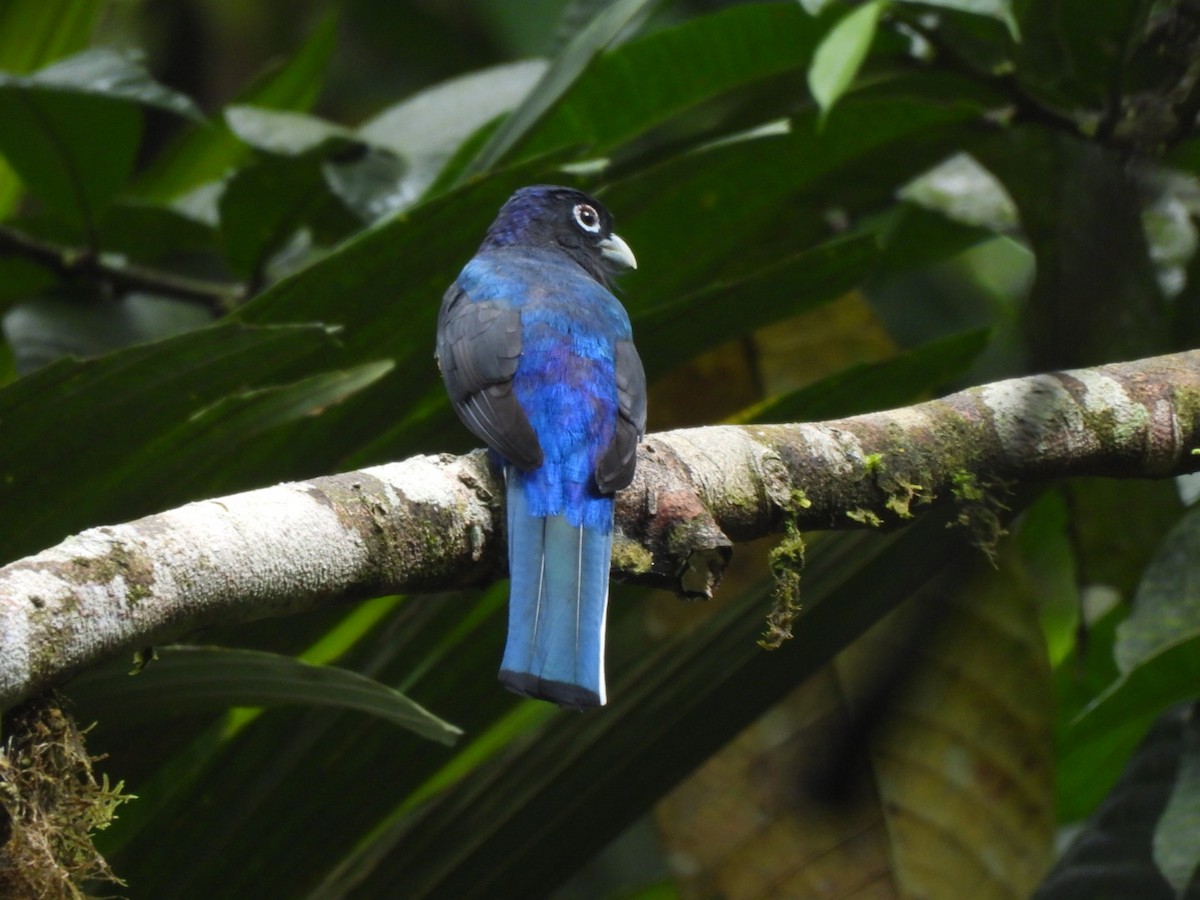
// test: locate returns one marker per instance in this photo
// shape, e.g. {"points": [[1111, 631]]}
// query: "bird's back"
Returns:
{"points": [[565, 379]]}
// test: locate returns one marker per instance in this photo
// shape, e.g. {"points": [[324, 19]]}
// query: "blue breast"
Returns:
{"points": [[565, 379]]}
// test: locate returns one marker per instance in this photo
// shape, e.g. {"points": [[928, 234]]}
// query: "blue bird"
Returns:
{"points": [[538, 358]]}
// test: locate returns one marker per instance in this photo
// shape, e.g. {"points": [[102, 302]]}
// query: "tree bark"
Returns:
{"points": [[435, 523]]}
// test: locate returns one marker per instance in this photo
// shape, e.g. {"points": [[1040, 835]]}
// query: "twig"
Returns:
{"points": [[219, 297]]}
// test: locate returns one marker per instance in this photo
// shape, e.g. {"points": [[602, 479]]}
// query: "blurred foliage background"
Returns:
{"points": [[226, 229]]}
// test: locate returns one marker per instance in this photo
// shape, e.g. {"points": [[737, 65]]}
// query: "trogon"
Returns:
{"points": [[538, 358]]}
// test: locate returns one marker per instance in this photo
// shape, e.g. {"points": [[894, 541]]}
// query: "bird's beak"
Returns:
{"points": [[616, 251]]}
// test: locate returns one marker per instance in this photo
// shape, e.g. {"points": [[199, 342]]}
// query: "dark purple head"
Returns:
{"points": [[565, 219]]}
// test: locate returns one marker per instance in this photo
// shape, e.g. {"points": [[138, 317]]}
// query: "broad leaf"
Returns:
{"points": [[105, 411], [239, 425], [996, 9], [708, 207], [286, 133], [872, 386], [419, 130], [242, 760], [1165, 678], [1156, 649], [878, 765], [637, 86], [364, 176], [841, 54], [675, 331], [155, 235], [183, 680], [49, 139], [20, 278], [1177, 834], [205, 153], [117, 76], [1112, 855], [46, 328], [32, 34], [708, 686], [1072, 52], [269, 201], [71, 130], [561, 74], [1166, 609]]}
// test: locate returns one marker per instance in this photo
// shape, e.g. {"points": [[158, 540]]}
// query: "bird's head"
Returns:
{"points": [[564, 219]]}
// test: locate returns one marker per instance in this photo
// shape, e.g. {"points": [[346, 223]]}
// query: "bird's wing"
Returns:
{"points": [[478, 347], [614, 469]]}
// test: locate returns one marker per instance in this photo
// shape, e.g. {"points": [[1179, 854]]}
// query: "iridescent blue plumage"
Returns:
{"points": [[537, 356]]}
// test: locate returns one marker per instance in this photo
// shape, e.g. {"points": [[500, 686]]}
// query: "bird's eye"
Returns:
{"points": [[587, 218]]}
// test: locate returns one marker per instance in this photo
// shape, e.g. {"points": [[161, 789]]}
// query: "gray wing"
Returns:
{"points": [[614, 469], [478, 347]]}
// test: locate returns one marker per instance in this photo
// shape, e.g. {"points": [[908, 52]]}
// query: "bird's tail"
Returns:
{"points": [[558, 603]]}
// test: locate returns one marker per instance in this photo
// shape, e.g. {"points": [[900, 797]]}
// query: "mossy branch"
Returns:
{"points": [[436, 523]]}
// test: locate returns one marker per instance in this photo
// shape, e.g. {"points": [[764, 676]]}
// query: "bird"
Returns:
{"points": [[537, 356]]}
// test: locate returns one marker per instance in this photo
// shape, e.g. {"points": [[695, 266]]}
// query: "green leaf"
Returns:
{"points": [[154, 235], [265, 204], [996, 9], [640, 85], [673, 332], [36, 32], [286, 133], [20, 278], [870, 386], [707, 685], [356, 284], [92, 417], [1167, 677], [189, 679], [1088, 768], [735, 229], [409, 649], [207, 152], [366, 178], [1177, 832], [1166, 609], [419, 130], [43, 329], [238, 425], [1157, 649], [32, 34], [71, 130], [72, 150], [1073, 52], [1112, 855], [118, 76], [915, 237], [370, 181], [841, 54], [561, 74], [964, 191]]}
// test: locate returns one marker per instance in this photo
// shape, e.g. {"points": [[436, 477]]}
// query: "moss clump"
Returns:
{"points": [[50, 805], [981, 509], [630, 557], [906, 494], [864, 517], [787, 565]]}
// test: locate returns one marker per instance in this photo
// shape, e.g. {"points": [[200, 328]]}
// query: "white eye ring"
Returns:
{"points": [[587, 218]]}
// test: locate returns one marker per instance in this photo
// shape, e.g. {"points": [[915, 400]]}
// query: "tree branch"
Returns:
{"points": [[219, 297], [435, 522]]}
